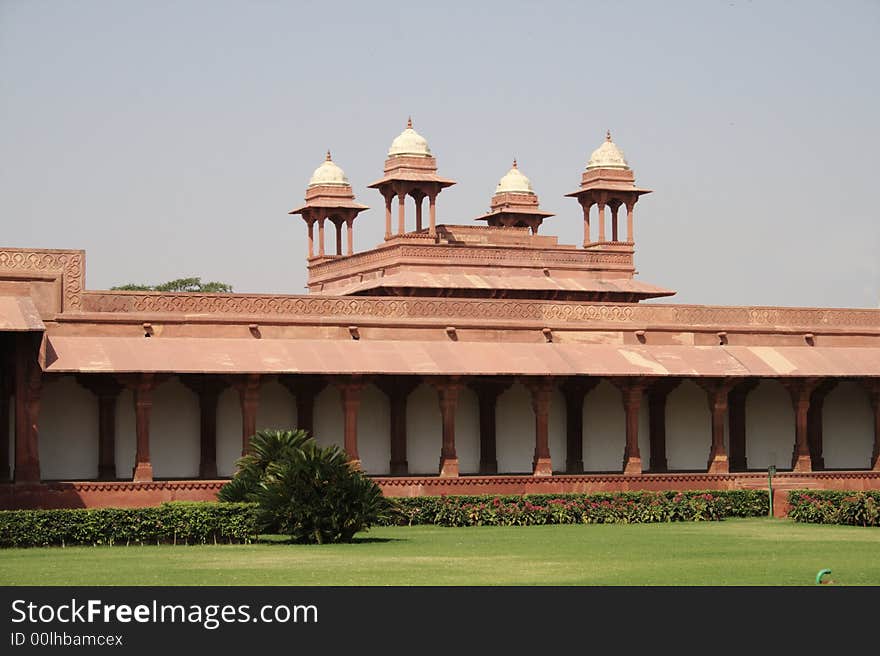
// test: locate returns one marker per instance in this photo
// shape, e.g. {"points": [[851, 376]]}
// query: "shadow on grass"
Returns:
{"points": [[283, 539]]}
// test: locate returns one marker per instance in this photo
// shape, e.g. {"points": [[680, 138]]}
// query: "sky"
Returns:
{"points": [[170, 139]]}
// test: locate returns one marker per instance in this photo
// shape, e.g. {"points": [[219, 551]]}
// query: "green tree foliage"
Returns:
{"points": [[310, 493], [179, 285]]}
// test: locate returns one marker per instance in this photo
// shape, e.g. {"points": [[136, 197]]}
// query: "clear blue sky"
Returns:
{"points": [[171, 138]]}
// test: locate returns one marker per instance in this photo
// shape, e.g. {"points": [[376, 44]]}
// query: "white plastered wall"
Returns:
{"points": [[68, 435], [467, 431], [174, 431], [228, 431], [276, 409], [328, 417], [515, 431], [373, 430], [424, 434], [847, 428], [688, 428], [769, 426]]}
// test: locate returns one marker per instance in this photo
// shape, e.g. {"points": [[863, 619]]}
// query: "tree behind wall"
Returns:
{"points": [[179, 285]]}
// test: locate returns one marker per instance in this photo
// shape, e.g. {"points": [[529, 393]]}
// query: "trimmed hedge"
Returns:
{"points": [[603, 508], [171, 523], [835, 507]]}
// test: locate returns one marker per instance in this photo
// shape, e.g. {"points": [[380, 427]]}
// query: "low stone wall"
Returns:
{"points": [[123, 494]]}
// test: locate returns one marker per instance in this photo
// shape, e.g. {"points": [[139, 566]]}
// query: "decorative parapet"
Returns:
{"points": [[68, 264], [313, 306], [479, 256]]}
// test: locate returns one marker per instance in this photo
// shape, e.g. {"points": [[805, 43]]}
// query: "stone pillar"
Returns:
{"points": [[488, 390], [542, 391], [614, 208], [338, 225], [601, 219], [398, 389], [418, 197], [321, 237], [5, 393], [801, 389], [28, 381], [657, 395], [814, 423], [388, 198], [143, 406], [401, 212], [432, 214], [587, 238], [349, 244], [716, 394], [736, 417], [575, 390], [304, 389], [630, 237], [631, 394], [311, 226], [447, 393], [248, 387], [350, 395], [873, 387]]}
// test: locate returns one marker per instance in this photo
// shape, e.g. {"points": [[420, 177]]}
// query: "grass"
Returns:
{"points": [[733, 552]]}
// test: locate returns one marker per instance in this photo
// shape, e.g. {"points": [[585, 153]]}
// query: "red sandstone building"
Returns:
{"points": [[451, 358]]}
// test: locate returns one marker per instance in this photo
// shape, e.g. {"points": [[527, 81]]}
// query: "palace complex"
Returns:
{"points": [[478, 357]]}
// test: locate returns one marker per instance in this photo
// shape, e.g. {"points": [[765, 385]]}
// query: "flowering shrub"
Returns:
{"points": [[604, 508], [833, 507]]}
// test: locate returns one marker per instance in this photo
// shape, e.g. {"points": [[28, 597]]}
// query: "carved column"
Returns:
{"points": [[208, 389], [418, 197], [388, 198], [321, 237], [586, 207], [398, 389], [488, 390], [575, 390], [106, 389], [814, 422], [801, 389], [27, 410], [305, 390], [447, 393], [143, 405], [5, 393], [432, 214], [338, 224], [542, 391], [630, 205], [615, 206], [350, 395], [658, 393], [248, 386], [873, 387], [311, 226], [401, 212], [349, 245], [736, 417], [631, 394], [601, 219], [716, 394]]}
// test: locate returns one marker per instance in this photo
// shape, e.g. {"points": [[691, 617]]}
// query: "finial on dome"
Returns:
{"points": [[328, 158], [514, 162], [409, 122], [607, 135]]}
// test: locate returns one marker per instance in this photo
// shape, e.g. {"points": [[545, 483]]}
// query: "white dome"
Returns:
{"points": [[328, 174], [607, 156], [409, 142], [514, 181]]}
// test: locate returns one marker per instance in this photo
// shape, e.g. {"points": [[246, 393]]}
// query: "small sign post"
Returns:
{"points": [[771, 470]]}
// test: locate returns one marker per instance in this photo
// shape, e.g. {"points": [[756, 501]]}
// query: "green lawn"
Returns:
{"points": [[733, 552]]}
